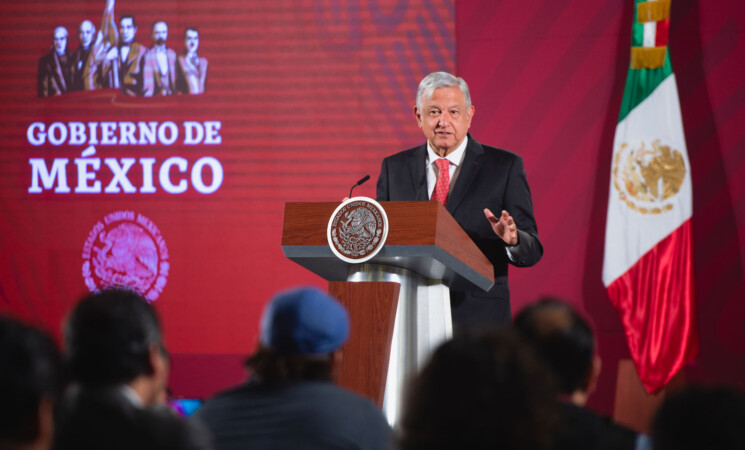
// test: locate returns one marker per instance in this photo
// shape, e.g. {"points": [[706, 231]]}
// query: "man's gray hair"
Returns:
{"points": [[437, 80]]}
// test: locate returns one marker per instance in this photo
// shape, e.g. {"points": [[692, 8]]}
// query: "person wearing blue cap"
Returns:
{"points": [[290, 400]]}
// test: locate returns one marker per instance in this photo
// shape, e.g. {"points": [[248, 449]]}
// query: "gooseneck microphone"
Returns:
{"points": [[365, 178]]}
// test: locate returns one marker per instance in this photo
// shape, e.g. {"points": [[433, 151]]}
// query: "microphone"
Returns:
{"points": [[365, 178]]}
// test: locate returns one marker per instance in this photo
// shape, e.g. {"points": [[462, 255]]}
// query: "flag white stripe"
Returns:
{"points": [[650, 34], [629, 233]]}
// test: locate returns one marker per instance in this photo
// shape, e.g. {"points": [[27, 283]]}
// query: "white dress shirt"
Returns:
{"points": [[456, 159]]}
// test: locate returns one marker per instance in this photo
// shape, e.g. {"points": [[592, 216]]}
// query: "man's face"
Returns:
{"points": [[85, 34], [60, 40], [160, 33], [191, 41], [128, 29], [444, 119]]}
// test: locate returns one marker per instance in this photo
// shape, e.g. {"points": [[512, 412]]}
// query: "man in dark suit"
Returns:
{"points": [[54, 73], [471, 180], [82, 70], [159, 71], [94, 62], [131, 57], [191, 68], [118, 366]]}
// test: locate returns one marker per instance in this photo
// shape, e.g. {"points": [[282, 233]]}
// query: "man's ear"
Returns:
{"points": [[336, 357], [418, 116], [160, 362], [158, 359]]}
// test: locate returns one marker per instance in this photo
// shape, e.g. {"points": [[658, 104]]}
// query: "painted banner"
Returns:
{"points": [[153, 145]]}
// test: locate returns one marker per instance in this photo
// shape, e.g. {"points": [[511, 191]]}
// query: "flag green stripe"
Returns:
{"points": [[637, 29], [641, 82]]}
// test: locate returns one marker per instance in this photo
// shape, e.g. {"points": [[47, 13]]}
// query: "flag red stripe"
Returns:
{"points": [[661, 34], [655, 299]]}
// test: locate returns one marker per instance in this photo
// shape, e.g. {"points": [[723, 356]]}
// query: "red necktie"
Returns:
{"points": [[443, 181]]}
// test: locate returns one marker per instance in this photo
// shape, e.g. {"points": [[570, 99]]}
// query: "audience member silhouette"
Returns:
{"points": [[480, 392], [119, 366], [29, 386], [566, 343], [290, 402], [711, 418]]}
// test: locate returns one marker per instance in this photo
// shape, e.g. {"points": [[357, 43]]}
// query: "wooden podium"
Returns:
{"points": [[398, 302]]}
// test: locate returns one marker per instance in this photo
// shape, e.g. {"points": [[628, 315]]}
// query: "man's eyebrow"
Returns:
{"points": [[458, 106]]}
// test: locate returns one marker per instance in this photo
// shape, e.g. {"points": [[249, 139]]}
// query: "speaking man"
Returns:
{"points": [[483, 187]]}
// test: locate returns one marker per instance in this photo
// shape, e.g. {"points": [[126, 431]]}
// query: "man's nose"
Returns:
{"points": [[444, 120]]}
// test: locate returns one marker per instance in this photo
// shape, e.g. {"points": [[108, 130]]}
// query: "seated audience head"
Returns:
{"points": [[566, 343], [302, 331], [711, 418], [29, 385], [114, 337], [479, 392]]}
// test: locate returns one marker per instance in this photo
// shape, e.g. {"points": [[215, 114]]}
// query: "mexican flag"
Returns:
{"points": [[648, 261]]}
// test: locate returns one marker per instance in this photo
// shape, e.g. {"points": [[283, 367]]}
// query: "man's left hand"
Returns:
{"points": [[503, 226]]}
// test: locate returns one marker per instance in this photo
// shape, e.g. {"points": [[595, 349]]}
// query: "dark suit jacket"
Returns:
{"points": [[191, 78], [81, 70], [132, 68], [153, 82], [489, 178], [583, 429], [54, 76], [104, 418]]}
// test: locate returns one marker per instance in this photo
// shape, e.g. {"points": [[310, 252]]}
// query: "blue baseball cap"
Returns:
{"points": [[304, 321]]}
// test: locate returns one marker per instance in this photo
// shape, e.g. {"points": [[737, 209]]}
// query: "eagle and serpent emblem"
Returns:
{"points": [[647, 178]]}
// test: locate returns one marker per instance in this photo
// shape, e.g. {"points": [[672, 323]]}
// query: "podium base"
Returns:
{"points": [[423, 321]]}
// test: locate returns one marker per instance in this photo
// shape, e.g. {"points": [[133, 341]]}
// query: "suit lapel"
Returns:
{"points": [[469, 171], [172, 68], [418, 176], [60, 73], [132, 55]]}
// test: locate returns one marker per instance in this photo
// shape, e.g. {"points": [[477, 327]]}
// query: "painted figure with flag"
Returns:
{"points": [[648, 261]]}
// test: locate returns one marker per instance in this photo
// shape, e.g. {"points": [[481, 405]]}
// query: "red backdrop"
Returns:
{"points": [[310, 96], [547, 79]]}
